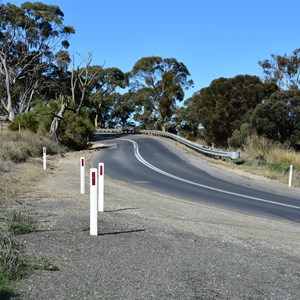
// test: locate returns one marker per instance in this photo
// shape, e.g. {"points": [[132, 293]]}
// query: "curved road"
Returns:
{"points": [[146, 162]]}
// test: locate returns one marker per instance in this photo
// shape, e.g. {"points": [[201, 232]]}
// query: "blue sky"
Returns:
{"points": [[213, 38]]}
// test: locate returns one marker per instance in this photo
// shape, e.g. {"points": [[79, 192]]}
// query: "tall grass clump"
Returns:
{"points": [[18, 146], [282, 159], [15, 265], [12, 264], [256, 149], [19, 221], [260, 151]]}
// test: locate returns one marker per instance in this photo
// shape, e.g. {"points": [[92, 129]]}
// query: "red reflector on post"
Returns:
{"points": [[101, 170], [93, 178], [82, 162]]}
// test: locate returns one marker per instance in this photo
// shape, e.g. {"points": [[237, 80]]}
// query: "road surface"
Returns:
{"points": [[147, 162]]}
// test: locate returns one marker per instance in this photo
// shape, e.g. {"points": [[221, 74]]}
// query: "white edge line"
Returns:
{"points": [[143, 161]]}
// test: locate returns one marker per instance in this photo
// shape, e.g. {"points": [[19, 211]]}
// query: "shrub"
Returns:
{"points": [[239, 136], [37, 120], [75, 130], [27, 121]]}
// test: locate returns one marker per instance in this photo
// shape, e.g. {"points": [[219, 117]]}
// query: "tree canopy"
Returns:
{"points": [[158, 83], [30, 37], [278, 117], [283, 69], [226, 104]]}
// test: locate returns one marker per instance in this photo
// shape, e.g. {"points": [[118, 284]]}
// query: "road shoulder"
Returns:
{"points": [[152, 246]]}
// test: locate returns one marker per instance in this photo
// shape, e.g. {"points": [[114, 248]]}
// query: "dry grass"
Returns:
{"points": [[15, 218], [19, 221], [19, 146], [285, 158], [270, 159]]}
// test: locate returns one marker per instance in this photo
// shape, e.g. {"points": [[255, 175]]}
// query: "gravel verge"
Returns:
{"points": [[150, 246]]}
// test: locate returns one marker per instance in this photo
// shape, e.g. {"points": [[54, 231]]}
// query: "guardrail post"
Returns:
{"points": [[101, 187], [93, 202], [290, 175], [82, 175], [44, 158]]}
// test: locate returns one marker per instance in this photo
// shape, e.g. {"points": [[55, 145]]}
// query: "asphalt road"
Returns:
{"points": [[146, 162]]}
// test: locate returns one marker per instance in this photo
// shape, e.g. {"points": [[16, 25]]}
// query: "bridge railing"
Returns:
{"points": [[197, 147]]}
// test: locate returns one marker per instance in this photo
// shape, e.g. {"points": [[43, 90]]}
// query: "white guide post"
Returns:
{"points": [[82, 175], [44, 158], [93, 202], [290, 175], [101, 187]]}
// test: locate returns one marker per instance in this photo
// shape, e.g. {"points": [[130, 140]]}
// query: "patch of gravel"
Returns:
{"points": [[150, 246]]}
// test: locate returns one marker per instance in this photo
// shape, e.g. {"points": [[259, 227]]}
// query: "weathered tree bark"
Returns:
{"points": [[57, 119], [96, 121], [8, 106]]}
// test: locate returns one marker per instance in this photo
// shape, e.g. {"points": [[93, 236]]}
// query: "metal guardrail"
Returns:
{"points": [[197, 147], [108, 130]]}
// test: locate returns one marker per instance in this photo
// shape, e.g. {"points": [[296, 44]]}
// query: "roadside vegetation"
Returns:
{"points": [[270, 159], [46, 92], [264, 157], [15, 217]]}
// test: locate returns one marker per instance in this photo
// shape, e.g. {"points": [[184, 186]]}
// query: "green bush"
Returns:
{"points": [[37, 120], [27, 120], [75, 130], [239, 136]]}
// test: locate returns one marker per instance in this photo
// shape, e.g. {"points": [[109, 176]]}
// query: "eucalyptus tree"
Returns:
{"points": [[31, 37], [158, 83], [226, 105], [105, 97], [122, 109], [283, 69], [278, 117], [81, 83]]}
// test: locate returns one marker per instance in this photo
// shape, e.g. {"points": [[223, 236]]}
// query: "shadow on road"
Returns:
{"points": [[121, 232]]}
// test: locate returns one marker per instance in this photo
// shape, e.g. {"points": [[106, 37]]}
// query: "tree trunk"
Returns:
{"points": [[11, 114], [56, 120], [96, 121], [83, 91], [9, 90], [54, 127]]}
